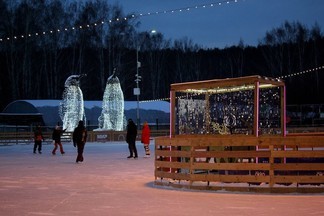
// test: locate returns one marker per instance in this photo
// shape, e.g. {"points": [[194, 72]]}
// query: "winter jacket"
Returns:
{"points": [[131, 132], [79, 135], [38, 136], [145, 134], [57, 135]]}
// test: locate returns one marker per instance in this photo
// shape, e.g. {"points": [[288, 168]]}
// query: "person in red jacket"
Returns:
{"points": [[146, 138]]}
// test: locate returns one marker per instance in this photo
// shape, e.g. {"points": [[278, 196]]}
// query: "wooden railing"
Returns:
{"points": [[294, 163]]}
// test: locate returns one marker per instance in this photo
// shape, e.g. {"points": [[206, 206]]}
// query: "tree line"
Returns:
{"points": [[36, 66]]}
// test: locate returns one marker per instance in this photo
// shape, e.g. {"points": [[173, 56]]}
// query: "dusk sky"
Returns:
{"points": [[224, 25]]}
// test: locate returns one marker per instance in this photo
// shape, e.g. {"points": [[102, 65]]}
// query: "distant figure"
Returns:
{"points": [[79, 140], [146, 138], [38, 138], [131, 139], [56, 136]]}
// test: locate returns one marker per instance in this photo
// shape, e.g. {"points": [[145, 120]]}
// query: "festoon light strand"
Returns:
{"points": [[110, 21]]}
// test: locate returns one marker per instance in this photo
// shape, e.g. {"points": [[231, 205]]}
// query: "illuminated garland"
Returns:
{"points": [[110, 21], [281, 77], [302, 72]]}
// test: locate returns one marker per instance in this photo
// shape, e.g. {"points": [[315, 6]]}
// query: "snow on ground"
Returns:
{"points": [[106, 183]]}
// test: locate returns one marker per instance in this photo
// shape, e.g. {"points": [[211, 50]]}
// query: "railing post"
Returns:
{"points": [[271, 162]]}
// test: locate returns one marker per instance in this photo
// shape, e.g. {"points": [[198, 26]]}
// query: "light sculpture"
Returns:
{"points": [[71, 108], [112, 114]]}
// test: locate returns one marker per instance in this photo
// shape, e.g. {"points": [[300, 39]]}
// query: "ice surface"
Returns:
{"points": [[106, 183]]}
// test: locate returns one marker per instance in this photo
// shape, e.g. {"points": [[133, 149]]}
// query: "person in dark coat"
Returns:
{"points": [[38, 138], [79, 140], [56, 136], [131, 139]]}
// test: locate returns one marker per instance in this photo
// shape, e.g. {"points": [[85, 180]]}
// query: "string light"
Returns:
{"points": [[302, 72], [281, 77], [133, 16], [202, 6]]}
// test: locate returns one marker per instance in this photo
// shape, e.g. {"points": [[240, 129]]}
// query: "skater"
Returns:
{"points": [[131, 139], [79, 140], [56, 136], [38, 138], [146, 138]]}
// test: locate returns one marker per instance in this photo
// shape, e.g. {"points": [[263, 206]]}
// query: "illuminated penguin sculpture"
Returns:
{"points": [[71, 108], [112, 114]]}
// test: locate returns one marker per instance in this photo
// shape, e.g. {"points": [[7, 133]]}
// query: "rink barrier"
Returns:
{"points": [[269, 164], [12, 138]]}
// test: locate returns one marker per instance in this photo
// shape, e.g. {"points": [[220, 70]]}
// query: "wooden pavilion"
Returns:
{"points": [[234, 131]]}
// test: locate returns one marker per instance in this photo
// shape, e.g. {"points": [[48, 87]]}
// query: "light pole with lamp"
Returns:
{"points": [[137, 90]]}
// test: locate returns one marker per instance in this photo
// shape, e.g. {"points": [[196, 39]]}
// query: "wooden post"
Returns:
{"points": [[283, 110], [172, 113], [256, 109], [283, 115], [271, 162], [207, 113]]}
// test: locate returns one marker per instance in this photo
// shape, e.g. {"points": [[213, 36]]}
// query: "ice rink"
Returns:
{"points": [[106, 183]]}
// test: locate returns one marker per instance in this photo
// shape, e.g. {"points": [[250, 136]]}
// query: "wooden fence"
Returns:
{"points": [[294, 163]]}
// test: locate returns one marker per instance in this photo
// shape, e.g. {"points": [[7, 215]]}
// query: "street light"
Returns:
{"points": [[137, 90]]}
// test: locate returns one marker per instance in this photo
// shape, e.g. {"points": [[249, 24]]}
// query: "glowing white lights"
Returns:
{"points": [[71, 108], [302, 72], [118, 19], [112, 114]]}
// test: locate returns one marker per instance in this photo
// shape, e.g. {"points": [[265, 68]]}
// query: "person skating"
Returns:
{"points": [[145, 139], [38, 138], [56, 136], [79, 140], [131, 139]]}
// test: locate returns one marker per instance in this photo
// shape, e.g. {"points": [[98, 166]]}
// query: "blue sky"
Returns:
{"points": [[224, 25]]}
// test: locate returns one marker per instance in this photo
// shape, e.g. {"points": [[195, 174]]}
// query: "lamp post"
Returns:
{"points": [[137, 90]]}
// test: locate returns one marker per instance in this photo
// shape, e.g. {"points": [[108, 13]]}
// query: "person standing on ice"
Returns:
{"points": [[38, 138], [56, 136], [79, 140], [131, 139], [145, 139]]}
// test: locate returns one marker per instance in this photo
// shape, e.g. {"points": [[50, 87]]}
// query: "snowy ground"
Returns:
{"points": [[106, 183]]}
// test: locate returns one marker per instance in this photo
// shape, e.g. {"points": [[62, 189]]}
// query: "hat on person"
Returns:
{"points": [[81, 123]]}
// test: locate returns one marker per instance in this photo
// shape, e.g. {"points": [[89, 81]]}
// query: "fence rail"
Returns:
{"points": [[294, 163], [11, 138]]}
